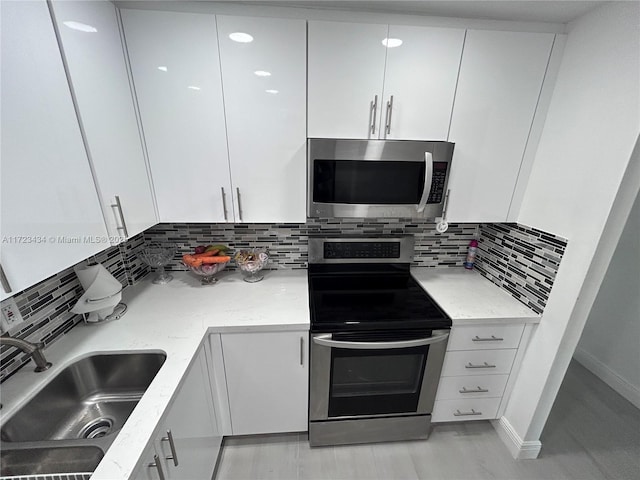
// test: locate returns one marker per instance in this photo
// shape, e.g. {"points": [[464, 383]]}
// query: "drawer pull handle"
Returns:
{"points": [[493, 338], [484, 365], [478, 390], [156, 464], [458, 413]]}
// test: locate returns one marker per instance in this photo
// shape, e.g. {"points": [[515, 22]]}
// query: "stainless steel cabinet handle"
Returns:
{"points": [[428, 179], [477, 390], [172, 446], [239, 205], [327, 342], [388, 119], [301, 350], [374, 108], [484, 365], [118, 205], [224, 204], [458, 413], [156, 463], [493, 338], [6, 286]]}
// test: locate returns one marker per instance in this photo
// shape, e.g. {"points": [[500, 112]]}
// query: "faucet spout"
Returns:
{"points": [[33, 349]]}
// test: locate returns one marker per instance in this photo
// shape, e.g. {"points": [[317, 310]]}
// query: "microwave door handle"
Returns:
{"points": [[428, 178], [326, 341]]}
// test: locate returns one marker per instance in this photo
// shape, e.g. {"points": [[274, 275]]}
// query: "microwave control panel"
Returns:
{"points": [[438, 182]]}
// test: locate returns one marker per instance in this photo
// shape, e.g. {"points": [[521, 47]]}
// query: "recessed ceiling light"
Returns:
{"points": [[272, 91], [82, 27], [241, 37], [391, 42], [262, 73], [193, 87], [163, 68]]}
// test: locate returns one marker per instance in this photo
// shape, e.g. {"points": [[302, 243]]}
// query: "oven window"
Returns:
{"points": [[368, 182], [374, 382]]}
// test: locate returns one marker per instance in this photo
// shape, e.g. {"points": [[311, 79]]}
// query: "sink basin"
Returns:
{"points": [[38, 461], [89, 399]]}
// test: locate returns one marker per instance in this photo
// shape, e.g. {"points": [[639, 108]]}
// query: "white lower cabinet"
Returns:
{"points": [[267, 377], [187, 441], [478, 366]]}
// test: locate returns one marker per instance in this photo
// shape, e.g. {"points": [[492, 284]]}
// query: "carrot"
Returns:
{"points": [[210, 253], [221, 259], [191, 260]]}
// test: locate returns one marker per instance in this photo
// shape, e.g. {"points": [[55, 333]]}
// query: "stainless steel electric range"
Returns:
{"points": [[377, 343]]}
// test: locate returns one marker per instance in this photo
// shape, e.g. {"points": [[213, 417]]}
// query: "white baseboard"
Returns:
{"points": [[519, 449], [608, 376]]}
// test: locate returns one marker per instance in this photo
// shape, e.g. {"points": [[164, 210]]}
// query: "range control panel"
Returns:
{"points": [[338, 250]]}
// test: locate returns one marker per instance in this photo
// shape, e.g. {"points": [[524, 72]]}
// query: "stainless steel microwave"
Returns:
{"points": [[377, 178]]}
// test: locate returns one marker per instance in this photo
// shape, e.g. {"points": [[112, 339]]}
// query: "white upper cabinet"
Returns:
{"points": [[264, 77], [501, 77], [382, 81], [346, 76], [50, 213], [93, 51], [176, 71], [420, 82]]}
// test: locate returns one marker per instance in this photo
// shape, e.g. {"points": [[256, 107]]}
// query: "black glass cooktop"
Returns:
{"points": [[370, 297]]}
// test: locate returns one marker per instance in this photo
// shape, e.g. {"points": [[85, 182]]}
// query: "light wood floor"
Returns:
{"points": [[592, 433]]}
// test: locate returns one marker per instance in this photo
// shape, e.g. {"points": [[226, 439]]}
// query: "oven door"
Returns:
{"points": [[374, 374], [377, 178]]}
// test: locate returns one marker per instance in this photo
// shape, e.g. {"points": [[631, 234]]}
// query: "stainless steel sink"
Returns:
{"points": [[89, 399], [72, 421], [39, 461]]}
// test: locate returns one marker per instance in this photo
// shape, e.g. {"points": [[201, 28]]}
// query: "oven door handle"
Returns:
{"points": [[326, 341], [428, 179]]}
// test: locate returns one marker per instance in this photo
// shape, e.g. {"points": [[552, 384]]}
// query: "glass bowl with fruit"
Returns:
{"points": [[207, 261], [251, 262]]}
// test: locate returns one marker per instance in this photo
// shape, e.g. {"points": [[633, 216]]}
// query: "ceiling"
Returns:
{"points": [[562, 11]]}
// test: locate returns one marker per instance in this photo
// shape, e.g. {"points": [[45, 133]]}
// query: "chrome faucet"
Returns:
{"points": [[33, 349]]}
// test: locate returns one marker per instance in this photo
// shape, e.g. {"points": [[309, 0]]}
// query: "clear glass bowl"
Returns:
{"points": [[207, 271], [157, 256], [251, 262]]}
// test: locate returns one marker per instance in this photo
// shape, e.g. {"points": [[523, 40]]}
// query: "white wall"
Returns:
{"points": [[586, 146], [610, 342]]}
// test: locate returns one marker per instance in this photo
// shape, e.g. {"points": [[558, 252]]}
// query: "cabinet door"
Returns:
{"points": [[267, 381], [94, 55], [500, 80], [421, 75], [176, 73], [265, 104], [192, 423], [50, 213], [346, 74]]}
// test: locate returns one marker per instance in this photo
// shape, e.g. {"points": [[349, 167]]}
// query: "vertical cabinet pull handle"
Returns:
{"points": [[239, 205], [224, 204], [172, 446], [458, 413], [118, 205], [374, 109], [492, 338], [6, 286], [301, 350], [388, 116], [156, 463]]}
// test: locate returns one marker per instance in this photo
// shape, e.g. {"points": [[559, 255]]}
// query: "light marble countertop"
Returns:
{"points": [[176, 317], [469, 298]]}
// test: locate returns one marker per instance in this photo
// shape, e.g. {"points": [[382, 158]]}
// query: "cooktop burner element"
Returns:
{"points": [[365, 284]]}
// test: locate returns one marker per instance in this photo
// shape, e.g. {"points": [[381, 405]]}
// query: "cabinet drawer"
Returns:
{"points": [[490, 337], [464, 410], [471, 386], [478, 362]]}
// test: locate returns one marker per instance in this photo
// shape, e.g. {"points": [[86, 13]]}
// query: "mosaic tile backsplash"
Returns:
{"points": [[45, 306], [288, 243], [521, 260]]}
